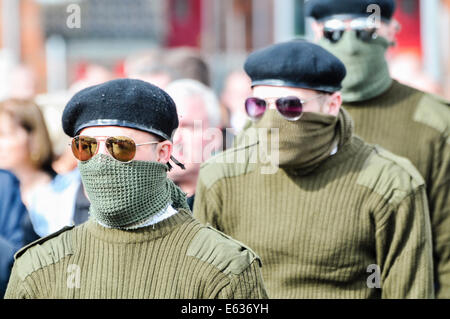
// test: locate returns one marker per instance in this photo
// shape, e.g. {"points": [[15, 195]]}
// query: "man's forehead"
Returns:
{"points": [[280, 90], [112, 130]]}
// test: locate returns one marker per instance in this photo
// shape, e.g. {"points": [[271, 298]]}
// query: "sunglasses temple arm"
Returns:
{"points": [[146, 143], [177, 162]]}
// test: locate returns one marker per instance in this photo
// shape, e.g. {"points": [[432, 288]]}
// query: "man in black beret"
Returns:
{"points": [[141, 240], [404, 120], [336, 218]]}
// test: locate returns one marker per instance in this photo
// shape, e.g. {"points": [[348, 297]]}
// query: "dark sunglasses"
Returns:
{"points": [[334, 35], [121, 148], [290, 107], [364, 29]]}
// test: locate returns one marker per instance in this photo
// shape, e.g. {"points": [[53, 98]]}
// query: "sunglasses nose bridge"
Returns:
{"points": [[102, 148], [271, 104]]}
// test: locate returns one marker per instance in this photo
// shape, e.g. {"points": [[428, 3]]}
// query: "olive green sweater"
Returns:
{"points": [[416, 125], [321, 235], [178, 258]]}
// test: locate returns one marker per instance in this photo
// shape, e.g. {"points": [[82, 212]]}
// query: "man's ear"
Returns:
{"points": [[334, 103], [164, 151], [389, 30], [393, 30], [317, 30]]}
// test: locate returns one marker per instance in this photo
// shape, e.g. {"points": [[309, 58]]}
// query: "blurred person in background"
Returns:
{"points": [[237, 88], [26, 141], [198, 135], [25, 146], [160, 66], [404, 120], [13, 215], [51, 106], [149, 66], [188, 63]]}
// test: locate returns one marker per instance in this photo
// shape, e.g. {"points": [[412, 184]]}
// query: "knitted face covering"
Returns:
{"points": [[126, 193], [367, 69], [305, 143]]}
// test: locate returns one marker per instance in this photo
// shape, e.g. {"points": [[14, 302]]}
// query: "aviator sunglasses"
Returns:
{"points": [[364, 29], [289, 107], [121, 148]]}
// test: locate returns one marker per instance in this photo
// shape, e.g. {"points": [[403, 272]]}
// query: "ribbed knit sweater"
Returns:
{"points": [[320, 235], [416, 125], [177, 258]]}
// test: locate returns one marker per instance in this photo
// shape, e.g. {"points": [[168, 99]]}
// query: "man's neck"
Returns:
{"points": [[188, 186]]}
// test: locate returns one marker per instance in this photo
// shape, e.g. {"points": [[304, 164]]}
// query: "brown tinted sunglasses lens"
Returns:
{"points": [[84, 147], [121, 148]]}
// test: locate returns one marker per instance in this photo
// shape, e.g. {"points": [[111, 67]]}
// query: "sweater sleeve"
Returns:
{"points": [[404, 249], [247, 285], [439, 198]]}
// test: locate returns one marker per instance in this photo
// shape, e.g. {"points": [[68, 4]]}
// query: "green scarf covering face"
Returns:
{"points": [[306, 143], [122, 194], [367, 70]]}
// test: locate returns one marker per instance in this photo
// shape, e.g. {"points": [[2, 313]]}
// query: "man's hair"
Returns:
{"points": [[188, 63], [183, 88], [147, 63]]}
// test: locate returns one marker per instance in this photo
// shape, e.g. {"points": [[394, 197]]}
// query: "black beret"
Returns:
{"points": [[123, 102], [325, 9], [296, 63]]}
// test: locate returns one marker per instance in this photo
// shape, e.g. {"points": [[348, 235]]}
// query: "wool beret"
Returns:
{"points": [[123, 102], [325, 9], [297, 63]]}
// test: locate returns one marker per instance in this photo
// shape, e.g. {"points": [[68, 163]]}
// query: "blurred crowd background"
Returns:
{"points": [[195, 49], [42, 51]]}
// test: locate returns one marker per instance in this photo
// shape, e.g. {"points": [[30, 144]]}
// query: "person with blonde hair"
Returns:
{"points": [[25, 145]]}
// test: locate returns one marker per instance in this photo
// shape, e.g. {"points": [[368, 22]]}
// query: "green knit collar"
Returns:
{"points": [[350, 149], [141, 234], [343, 136]]}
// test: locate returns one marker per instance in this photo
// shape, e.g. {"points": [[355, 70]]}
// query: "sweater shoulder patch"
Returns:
{"points": [[44, 252], [433, 113], [220, 250], [391, 176], [233, 162]]}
